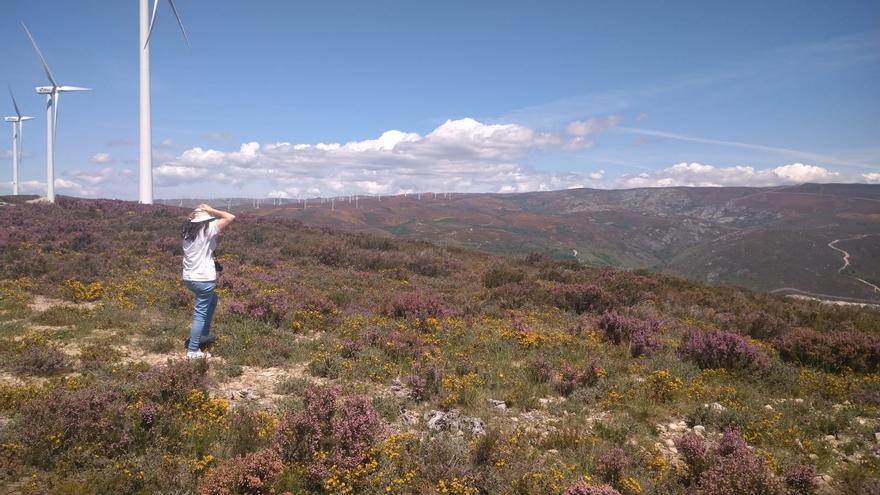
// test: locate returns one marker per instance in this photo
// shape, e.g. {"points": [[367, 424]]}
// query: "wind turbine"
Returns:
{"points": [[145, 145], [16, 122], [53, 95]]}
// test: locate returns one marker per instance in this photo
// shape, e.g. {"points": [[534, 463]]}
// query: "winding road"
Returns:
{"points": [[846, 262]]}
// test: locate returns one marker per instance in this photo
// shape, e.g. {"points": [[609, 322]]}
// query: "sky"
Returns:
{"points": [[287, 98]]}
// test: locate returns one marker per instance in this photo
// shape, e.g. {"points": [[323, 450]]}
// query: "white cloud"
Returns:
{"points": [[798, 172], [873, 177], [459, 155], [597, 175], [697, 174], [592, 126], [101, 158], [582, 129]]}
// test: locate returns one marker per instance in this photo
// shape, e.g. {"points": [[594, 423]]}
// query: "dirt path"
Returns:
{"points": [[845, 254], [846, 257], [825, 298]]}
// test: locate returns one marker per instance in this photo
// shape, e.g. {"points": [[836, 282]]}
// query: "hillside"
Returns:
{"points": [[355, 363], [761, 238]]}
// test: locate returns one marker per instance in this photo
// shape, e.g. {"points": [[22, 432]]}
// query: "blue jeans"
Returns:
{"points": [[206, 302]]}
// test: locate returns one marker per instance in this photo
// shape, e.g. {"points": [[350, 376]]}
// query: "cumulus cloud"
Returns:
{"points": [[697, 174], [101, 158], [463, 155], [460, 155], [592, 126], [873, 177], [580, 130]]}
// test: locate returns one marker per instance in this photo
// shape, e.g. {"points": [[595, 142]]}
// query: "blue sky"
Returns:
{"points": [[481, 96]]}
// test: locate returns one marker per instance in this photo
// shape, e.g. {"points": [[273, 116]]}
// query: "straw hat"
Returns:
{"points": [[200, 215]]}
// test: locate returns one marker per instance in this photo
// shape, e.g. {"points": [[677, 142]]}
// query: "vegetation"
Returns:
{"points": [[347, 363]]}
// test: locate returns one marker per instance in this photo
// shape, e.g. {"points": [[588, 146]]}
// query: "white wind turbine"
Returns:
{"points": [[53, 95], [145, 145], [16, 121]]}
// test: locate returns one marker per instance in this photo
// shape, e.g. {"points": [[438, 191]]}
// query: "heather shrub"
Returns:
{"points": [[431, 264], [694, 452], [251, 474], [762, 325], [499, 275], [540, 370], [645, 341], [726, 467], [173, 382], [584, 488], [90, 418], [416, 305], [611, 464], [832, 351], [642, 334], [800, 479], [328, 431], [425, 380], [329, 254], [39, 358], [570, 377], [581, 298], [720, 349], [517, 295]]}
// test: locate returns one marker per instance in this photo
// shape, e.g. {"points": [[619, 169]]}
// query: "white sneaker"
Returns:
{"points": [[197, 355]]}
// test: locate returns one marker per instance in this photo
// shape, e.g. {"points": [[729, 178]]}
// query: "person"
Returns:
{"points": [[200, 272]]}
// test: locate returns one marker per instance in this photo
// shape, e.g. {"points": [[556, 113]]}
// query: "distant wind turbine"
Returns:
{"points": [[145, 144], [53, 95], [16, 122]]}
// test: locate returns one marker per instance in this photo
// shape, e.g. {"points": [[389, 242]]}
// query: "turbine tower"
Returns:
{"points": [[145, 145], [53, 96], [16, 122]]}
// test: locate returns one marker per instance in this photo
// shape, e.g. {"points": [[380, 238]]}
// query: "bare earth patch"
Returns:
{"points": [[42, 303], [258, 385]]}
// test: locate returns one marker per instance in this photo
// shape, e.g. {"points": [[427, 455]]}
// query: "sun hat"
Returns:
{"points": [[200, 215]]}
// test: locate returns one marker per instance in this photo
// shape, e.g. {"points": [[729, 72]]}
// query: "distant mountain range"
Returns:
{"points": [[768, 239]]}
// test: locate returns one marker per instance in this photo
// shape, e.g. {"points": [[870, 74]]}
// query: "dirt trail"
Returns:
{"points": [[846, 257]]}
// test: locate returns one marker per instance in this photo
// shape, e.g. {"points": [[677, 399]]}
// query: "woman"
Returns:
{"points": [[200, 273]]}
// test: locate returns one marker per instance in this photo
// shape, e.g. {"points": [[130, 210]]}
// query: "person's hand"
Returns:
{"points": [[206, 207]]}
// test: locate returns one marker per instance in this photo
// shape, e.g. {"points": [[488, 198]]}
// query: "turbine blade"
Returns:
{"points": [[73, 88], [152, 21], [179, 22], [40, 54], [14, 104]]}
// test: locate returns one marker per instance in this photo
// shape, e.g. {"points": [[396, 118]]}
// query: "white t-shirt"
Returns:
{"points": [[198, 255]]}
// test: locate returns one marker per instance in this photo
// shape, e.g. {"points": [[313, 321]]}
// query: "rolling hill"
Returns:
{"points": [[768, 239]]}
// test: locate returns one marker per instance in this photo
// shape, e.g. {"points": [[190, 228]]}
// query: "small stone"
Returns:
{"points": [[768, 407], [669, 442], [700, 430], [799, 401], [715, 407], [877, 436], [498, 404]]}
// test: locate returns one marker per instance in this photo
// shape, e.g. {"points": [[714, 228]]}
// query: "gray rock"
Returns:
{"points": [[454, 422]]}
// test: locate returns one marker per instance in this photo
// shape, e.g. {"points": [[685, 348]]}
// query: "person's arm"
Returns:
{"points": [[223, 217]]}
